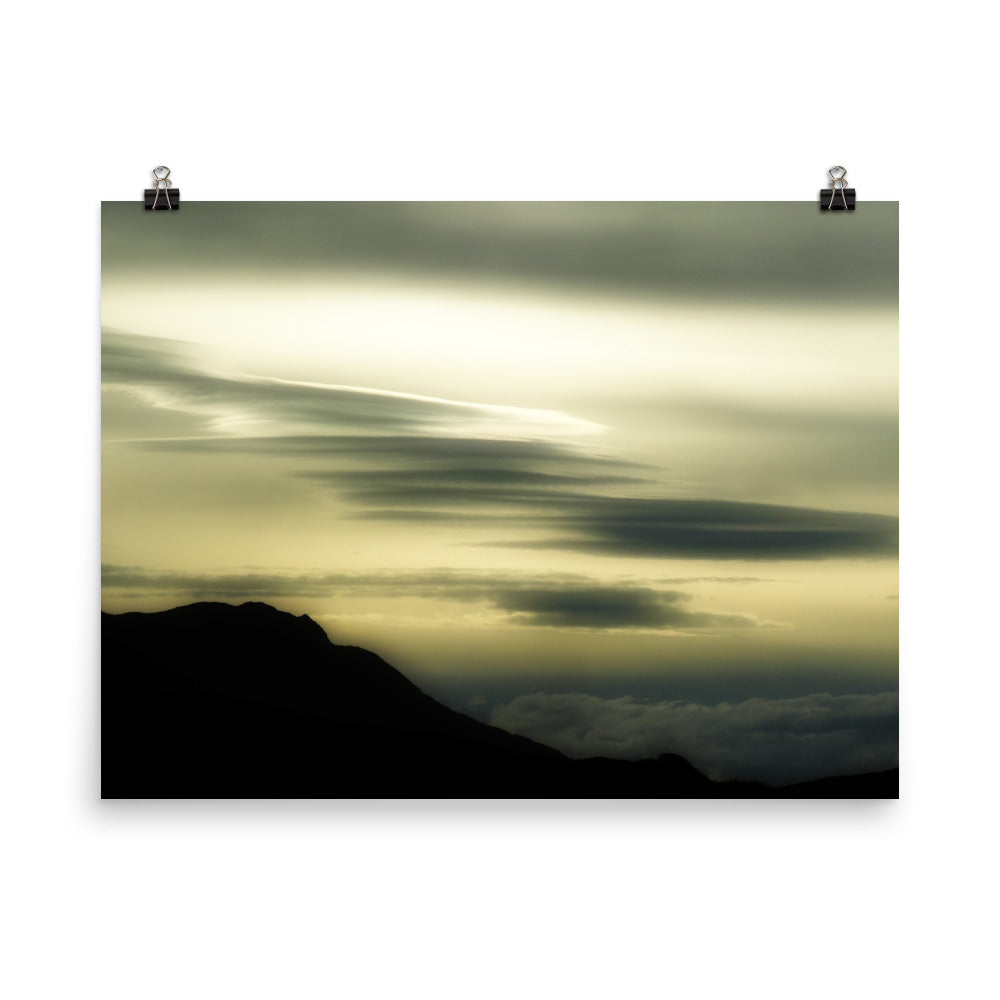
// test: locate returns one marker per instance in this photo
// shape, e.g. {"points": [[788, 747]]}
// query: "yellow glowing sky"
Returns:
{"points": [[236, 381]]}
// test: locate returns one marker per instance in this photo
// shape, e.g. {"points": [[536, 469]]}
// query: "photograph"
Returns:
{"points": [[499, 500]]}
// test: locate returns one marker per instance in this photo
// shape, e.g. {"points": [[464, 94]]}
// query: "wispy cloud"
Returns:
{"points": [[242, 405], [399, 457]]}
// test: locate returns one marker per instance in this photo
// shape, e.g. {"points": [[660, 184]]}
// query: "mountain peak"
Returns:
{"points": [[224, 701]]}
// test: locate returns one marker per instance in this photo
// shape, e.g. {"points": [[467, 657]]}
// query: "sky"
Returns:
{"points": [[621, 477]]}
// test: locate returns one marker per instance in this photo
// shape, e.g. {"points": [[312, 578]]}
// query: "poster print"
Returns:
{"points": [[499, 500]]}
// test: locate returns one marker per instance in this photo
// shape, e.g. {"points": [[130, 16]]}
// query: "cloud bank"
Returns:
{"points": [[778, 740]]}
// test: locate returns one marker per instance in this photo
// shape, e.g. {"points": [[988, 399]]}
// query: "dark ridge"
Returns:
{"points": [[880, 785], [214, 700]]}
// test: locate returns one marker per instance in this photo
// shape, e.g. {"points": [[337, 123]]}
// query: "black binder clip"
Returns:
{"points": [[162, 197], [840, 198]]}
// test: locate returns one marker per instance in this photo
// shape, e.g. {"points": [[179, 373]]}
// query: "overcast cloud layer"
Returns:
{"points": [[770, 251]]}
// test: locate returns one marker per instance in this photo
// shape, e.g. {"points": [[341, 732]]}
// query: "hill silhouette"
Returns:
{"points": [[214, 700]]}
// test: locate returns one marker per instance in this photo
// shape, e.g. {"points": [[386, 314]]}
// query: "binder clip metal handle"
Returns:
{"points": [[163, 196], [839, 198]]}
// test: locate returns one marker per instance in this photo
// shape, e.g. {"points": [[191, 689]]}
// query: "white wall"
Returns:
{"points": [[516, 100]]}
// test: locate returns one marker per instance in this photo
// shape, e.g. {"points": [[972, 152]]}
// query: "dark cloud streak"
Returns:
{"points": [[611, 608], [715, 529], [547, 600]]}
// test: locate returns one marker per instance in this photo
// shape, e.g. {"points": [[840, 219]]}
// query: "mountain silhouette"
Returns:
{"points": [[214, 700]]}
